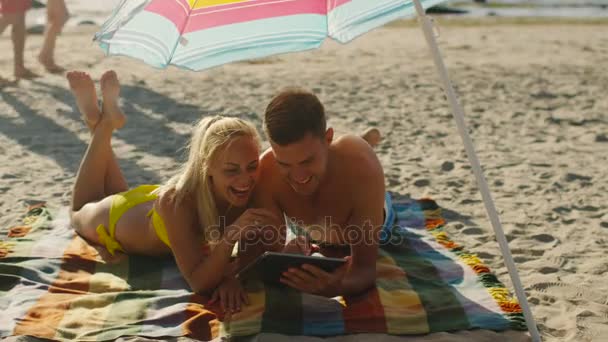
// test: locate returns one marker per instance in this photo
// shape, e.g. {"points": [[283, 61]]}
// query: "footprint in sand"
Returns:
{"points": [[571, 292], [548, 270], [543, 238], [422, 182], [485, 256], [393, 181], [472, 231], [571, 177], [447, 166], [522, 259]]}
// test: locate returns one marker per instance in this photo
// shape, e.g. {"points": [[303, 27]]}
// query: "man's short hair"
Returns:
{"points": [[292, 114]]}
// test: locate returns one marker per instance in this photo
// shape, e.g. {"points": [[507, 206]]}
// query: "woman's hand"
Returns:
{"points": [[250, 224], [231, 295]]}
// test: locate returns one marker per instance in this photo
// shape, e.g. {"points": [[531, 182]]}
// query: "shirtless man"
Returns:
{"points": [[331, 190]]}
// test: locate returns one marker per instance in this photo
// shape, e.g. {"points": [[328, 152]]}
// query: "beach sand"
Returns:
{"points": [[535, 101]]}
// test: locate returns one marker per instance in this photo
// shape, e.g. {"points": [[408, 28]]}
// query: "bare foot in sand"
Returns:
{"points": [[6, 82], [49, 65], [372, 136], [25, 74], [83, 88], [110, 90]]}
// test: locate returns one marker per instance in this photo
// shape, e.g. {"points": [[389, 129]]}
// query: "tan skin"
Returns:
{"points": [[316, 178], [18, 35], [99, 177], [56, 17]]}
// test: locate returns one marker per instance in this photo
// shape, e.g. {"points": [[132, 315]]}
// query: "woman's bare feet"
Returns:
{"points": [[372, 136], [83, 88], [110, 90]]}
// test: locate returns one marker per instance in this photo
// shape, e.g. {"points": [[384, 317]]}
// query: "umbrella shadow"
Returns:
{"points": [[149, 118], [57, 142], [172, 110]]}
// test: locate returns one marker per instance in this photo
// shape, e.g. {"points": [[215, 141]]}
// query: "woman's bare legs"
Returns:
{"points": [[90, 202], [90, 180], [99, 176], [110, 90], [84, 91], [57, 16], [372, 136]]}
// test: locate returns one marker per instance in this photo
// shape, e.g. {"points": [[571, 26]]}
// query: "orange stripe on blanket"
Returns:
{"points": [[20, 231], [364, 313], [200, 323], [434, 223], [44, 317]]}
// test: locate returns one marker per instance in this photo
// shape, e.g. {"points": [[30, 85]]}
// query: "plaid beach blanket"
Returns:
{"points": [[54, 285]]}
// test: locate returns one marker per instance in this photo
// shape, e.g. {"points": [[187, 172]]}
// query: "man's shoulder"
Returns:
{"points": [[356, 155], [269, 174], [268, 165]]}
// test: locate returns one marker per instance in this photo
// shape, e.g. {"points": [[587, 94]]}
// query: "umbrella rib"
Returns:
{"points": [[150, 39], [250, 41], [186, 59], [258, 37], [181, 30], [179, 2], [139, 43], [380, 9]]}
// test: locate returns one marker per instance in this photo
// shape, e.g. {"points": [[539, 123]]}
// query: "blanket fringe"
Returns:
{"points": [[434, 223]]}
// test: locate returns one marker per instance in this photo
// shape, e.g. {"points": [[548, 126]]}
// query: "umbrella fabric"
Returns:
{"points": [[53, 285], [199, 34]]}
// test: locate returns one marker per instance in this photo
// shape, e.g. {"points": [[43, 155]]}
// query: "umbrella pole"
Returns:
{"points": [[458, 114]]}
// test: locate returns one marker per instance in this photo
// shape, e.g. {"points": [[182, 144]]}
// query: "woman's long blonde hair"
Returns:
{"points": [[209, 136]]}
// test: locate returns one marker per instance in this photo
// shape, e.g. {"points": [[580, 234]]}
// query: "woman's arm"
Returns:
{"points": [[203, 272]]}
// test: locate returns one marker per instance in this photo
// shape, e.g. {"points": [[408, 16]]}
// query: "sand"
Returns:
{"points": [[534, 97]]}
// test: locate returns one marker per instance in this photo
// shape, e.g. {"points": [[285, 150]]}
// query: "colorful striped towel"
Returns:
{"points": [[54, 285]]}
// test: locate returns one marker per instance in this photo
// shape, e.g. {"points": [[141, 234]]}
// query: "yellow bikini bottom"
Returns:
{"points": [[121, 203]]}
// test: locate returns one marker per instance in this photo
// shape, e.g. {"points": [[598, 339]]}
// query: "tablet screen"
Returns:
{"points": [[270, 265]]}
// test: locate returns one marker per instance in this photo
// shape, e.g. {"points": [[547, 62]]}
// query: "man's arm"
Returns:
{"points": [[366, 221], [365, 186]]}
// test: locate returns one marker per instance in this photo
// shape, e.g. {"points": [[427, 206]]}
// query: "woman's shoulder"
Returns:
{"points": [[168, 201]]}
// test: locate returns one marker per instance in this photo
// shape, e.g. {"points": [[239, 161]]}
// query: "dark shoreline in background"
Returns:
{"points": [[442, 20], [457, 20], [451, 13]]}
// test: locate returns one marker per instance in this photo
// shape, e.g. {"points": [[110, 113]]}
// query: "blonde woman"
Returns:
{"points": [[198, 215]]}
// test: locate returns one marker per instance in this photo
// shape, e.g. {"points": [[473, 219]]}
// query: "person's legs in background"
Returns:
{"points": [[12, 13], [57, 16]]}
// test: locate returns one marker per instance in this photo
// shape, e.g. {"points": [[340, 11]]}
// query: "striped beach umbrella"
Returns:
{"points": [[199, 34]]}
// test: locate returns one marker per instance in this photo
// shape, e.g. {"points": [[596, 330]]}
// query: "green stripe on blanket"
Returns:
{"points": [[54, 285]]}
